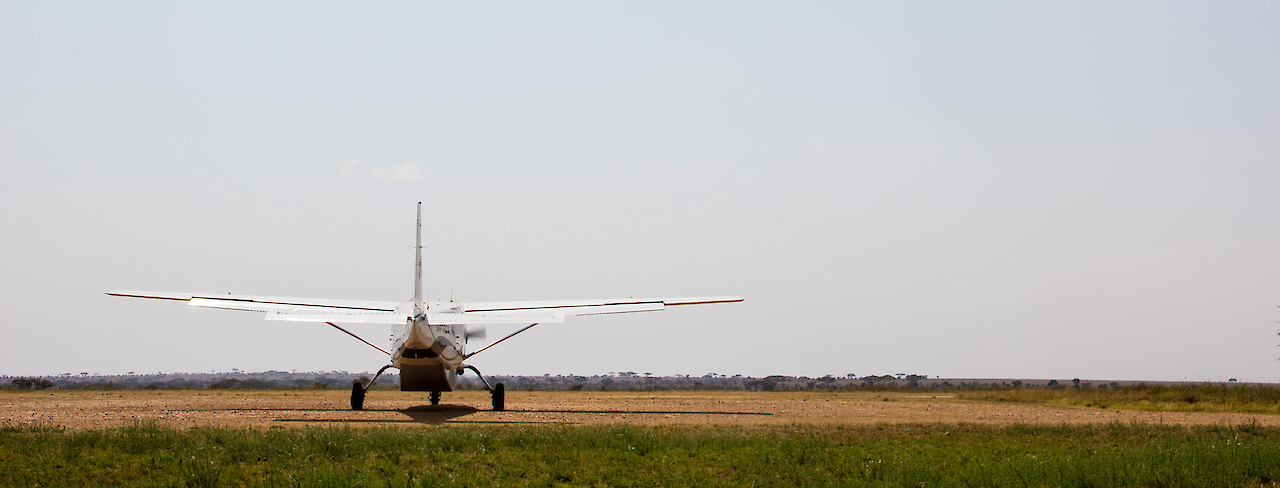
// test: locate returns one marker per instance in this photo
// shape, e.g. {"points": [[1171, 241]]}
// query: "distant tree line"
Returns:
{"points": [[621, 381], [274, 380]]}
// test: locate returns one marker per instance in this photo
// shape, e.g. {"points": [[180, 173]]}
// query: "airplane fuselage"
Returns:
{"points": [[428, 356]]}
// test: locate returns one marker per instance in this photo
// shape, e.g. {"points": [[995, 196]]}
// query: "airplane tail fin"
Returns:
{"points": [[417, 265]]}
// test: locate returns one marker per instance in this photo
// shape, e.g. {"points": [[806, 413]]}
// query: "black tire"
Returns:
{"points": [[357, 396], [435, 398], [499, 400]]}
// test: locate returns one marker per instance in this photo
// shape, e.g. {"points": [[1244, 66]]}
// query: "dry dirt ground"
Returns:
{"points": [[85, 409]]}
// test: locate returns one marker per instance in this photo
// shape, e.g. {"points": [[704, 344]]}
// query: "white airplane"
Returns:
{"points": [[429, 337]]}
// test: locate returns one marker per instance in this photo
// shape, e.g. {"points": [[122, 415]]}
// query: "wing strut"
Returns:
{"points": [[513, 334], [384, 351]]}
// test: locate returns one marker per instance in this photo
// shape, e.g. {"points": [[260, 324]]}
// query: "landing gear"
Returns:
{"points": [[357, 396], [358, 390], [497, 391], [435, 398]]}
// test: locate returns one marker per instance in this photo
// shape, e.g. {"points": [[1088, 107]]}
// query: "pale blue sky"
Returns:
{"points": [[966, 190]]}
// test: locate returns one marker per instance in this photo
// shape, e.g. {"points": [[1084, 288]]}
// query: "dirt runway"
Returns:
{"points": [[87, 409]]}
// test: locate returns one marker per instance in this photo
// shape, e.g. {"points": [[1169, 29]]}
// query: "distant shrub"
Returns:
{"points": [[31, 384], [237, 384]]}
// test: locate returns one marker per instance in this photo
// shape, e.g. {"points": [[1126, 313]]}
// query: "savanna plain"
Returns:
{"points": [[1197, 435]]}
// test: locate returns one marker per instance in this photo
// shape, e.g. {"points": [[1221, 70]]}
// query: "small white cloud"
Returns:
{"points": [[406, 173], [350, 166]]}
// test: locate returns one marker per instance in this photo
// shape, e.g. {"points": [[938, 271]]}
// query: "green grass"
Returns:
{"points": [[559, 455], [1177, 398]]}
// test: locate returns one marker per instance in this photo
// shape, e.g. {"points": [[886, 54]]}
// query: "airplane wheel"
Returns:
{"points": [[499, 402], [357, 396], [435, 398]]}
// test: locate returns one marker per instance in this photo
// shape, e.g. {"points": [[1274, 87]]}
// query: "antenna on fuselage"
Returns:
{"points": [[417, 267]]}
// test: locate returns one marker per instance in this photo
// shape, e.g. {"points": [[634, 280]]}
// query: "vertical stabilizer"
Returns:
{"points": [[417, 267]]}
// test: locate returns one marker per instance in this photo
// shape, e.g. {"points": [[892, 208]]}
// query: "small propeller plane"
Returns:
{"points": [[429, 337]]}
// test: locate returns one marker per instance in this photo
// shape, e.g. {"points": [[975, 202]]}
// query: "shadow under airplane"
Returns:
{"points": [[440, 414]]}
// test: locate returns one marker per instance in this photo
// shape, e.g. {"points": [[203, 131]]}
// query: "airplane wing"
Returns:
{"points": [[293, 309], [289, 309], [572, 308]]}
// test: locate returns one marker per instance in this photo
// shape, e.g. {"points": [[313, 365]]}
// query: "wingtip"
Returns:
{"points": [[700, 301], [150, 294]]}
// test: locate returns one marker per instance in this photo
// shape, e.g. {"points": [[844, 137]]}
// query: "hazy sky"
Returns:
{"points": [[954, 188]]}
